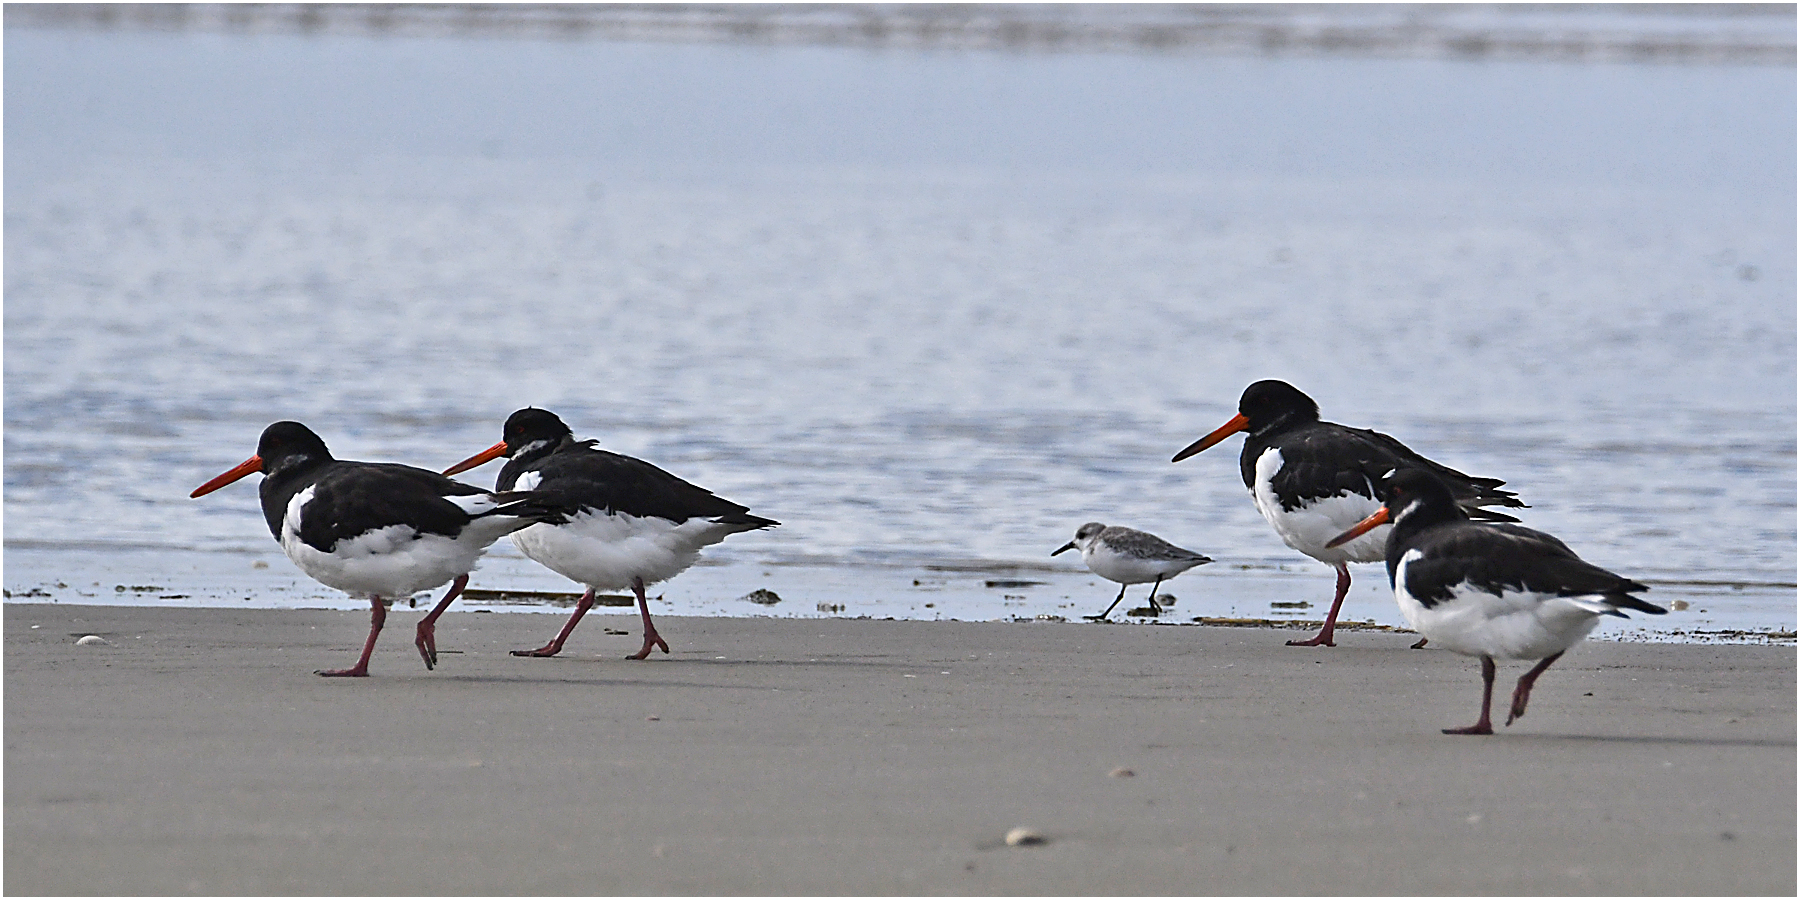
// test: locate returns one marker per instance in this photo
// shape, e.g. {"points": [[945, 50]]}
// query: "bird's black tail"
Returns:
{"points": [[750, 522], [1626, 601], [529, 507]]}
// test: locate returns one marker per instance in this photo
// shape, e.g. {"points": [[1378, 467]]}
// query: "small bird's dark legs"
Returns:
{"points": [[426, 640], [1324, 635], [1109, 609], [377, 616], [555, 646], [1522, 693], [651, 638], [1487, 698], [1154, 606]]}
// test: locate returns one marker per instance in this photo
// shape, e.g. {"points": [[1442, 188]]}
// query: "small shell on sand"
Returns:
{"points": [[1121, 772], [763, 596], [93, 640], [1025, 837]]}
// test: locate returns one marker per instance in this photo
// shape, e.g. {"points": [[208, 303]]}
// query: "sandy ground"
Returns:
{"points": [[198, 754]]}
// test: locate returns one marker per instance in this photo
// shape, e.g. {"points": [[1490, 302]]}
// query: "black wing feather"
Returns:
{"points": [[1324, 459], [1499, 558], [350, 499], [580, 477]]}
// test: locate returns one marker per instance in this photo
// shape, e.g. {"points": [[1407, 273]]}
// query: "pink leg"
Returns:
{"points": [[1324, 635], [555, 646], [1487, 697], [427, 637], [377, 615], [651, 638], [1522, 693]]}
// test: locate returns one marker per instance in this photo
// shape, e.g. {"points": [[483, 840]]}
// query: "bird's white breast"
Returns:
{"points": [[1310, 526], [392, 562]]}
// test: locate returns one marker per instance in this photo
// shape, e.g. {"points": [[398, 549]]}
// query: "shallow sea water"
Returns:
{"points": [[930, 310]]}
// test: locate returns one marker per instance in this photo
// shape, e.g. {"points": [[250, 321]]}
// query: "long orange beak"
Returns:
{"points": [[491, 453], [1359, 529], [1238, 423], [253, 464]]}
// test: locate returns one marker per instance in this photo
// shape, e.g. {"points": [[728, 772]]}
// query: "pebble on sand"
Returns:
{"points": [[1025, 837], [92, 640]]}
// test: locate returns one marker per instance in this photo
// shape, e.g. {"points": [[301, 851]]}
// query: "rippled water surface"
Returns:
{"points": [[930, 310]]}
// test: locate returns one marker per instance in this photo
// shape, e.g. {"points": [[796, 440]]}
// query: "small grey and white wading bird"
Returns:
{"points": [[1489, 590], [379, 531], [1129, 557], [623, 522], [1312, 479]]}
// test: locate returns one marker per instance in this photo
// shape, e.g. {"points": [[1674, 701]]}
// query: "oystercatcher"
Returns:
{"points": [[1489, 590], [380, 531], [1129, 557], [622, 522], [1312, 479]]}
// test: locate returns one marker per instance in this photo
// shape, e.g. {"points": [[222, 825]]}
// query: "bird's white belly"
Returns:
{"points": [[605, 551], [1511, 625], [395, 561], [1124, 569], [1309, 527], [392, 563]]}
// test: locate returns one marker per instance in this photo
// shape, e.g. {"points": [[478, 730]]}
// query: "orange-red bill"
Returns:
{"points": [[1238, 423], [491, 453], [248, 466], [1359, 529]]}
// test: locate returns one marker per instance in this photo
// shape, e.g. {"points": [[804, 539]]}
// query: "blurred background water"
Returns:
{"points": [[932, 292]]}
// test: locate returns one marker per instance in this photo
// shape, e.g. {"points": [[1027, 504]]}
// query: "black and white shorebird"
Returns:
{"points": [[1129, 557], [1312, 480], [623, 522], [1489, 590], [378, 531]]}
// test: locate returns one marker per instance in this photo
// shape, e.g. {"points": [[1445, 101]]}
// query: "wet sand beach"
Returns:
{"points": [[196, 753]]}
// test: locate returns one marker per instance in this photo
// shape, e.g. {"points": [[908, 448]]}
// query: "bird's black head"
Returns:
{"points": [[530, 431], [1417, 494], [284, 447], [1411, 500], [290, 445], [1266, 406], [1270, 402], [530, 426]]}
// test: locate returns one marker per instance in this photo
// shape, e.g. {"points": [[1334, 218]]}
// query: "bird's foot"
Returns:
{"points": [[1420, 644], [1477, 728], [651, 639], [426, 641], [1321, 639], [544, 652], [1518, 707], [352, 672]]}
